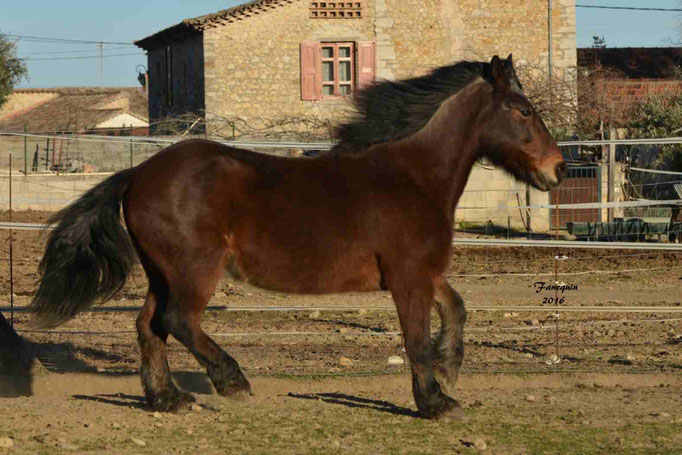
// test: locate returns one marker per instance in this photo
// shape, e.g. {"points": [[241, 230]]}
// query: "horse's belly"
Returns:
{"points": [[307, 273]]}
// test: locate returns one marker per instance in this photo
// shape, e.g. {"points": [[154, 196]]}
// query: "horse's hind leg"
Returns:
{"points": [[448, 347], [413, 299], [182, 319], [160, 391]]}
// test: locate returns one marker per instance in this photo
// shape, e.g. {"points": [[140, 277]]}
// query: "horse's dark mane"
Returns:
{"points": [[389, 111]]}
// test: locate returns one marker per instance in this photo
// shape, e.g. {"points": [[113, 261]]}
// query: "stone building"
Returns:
{"points": [[272, 59]]}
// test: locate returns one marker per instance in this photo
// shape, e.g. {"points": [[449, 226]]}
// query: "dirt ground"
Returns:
{"points": [[617, 388]]}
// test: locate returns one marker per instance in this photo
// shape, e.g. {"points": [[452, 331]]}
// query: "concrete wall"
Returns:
{"points": [[48, 192], [487, 193]]}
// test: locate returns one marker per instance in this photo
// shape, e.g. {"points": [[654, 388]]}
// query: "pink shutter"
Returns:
{"points": [[310, 62], [366, 63]]}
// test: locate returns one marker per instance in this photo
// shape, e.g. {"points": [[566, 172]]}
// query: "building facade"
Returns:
{"points": [[274, 59]]}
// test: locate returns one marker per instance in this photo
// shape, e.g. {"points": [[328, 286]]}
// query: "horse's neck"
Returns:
{"points": [[439, 157]]}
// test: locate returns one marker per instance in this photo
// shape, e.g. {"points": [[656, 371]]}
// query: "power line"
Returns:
{"points": [[81, 58], [64, 40], [73, 51], [629, 8]]}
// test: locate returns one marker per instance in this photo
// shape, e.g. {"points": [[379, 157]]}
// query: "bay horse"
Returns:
{"points": [[376, 212]]}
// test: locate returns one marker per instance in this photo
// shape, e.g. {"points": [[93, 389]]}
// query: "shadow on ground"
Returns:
{"points": [[352, 401]]}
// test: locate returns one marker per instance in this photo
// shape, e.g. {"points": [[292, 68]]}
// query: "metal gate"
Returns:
{"points": [[581, 185]]}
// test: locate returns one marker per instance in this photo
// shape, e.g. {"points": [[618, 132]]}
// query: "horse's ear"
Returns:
{"points": [[498, 72]]}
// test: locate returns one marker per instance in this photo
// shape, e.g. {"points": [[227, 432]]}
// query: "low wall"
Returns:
{"points": [[48, 192], [487, 193]]}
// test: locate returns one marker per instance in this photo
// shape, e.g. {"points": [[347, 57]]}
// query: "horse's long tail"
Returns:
{"points": [[88, 255]]}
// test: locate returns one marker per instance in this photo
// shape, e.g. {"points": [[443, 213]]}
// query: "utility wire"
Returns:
{"points": [[74, 51], [628, 8], [64, 40], [81, 58]]}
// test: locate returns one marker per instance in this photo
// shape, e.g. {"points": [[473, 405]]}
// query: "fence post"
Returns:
{"points": [[25, 150], [131, 152], [611, 179], [11, 255], [528, 218]]}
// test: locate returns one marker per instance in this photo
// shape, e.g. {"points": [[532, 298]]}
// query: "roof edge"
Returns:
{"points": [[198, 24]]}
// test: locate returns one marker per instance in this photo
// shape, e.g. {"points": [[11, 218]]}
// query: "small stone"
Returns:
{"points": [[343, 330], [100, 370], [196, 408], [531, 398], [315, 314], [529, 355], [535, 322], [345, 362], [630, 357], [553, 359], [116, 425], [68, 446], [507, 315], [362, 312], [396, 360], [138, 442], [480, 444], [6, 443], [157, 415], [190, 431]]}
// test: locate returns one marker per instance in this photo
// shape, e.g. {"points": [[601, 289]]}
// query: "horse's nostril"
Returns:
{"points": [[561, 170]]}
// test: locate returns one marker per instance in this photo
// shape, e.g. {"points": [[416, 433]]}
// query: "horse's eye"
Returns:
{"points": [[526, 112]]}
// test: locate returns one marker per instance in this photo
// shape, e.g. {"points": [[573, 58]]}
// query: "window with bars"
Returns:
{"points": [[335, 70]]}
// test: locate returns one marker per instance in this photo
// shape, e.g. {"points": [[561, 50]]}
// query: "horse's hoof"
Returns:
{"points": [[239, 390], [447, 409], [172, 401]]}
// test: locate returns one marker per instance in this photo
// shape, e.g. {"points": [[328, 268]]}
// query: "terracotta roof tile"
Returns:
{"points": [[192, 25], [75, 109]]}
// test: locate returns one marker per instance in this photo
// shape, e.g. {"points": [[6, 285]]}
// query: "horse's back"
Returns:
{"points": [[291, 224]]}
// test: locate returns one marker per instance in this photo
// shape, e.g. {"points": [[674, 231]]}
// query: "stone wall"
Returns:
{"points": [[253, 65]]}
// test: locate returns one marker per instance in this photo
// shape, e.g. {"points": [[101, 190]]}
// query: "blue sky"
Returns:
{"points": [[128, 20]]}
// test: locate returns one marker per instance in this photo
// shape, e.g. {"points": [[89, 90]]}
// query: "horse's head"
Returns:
{"points": [[513, 136]]}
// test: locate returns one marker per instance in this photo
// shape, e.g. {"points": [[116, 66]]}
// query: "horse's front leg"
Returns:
{"points": [[448, 347], [413, 298]]}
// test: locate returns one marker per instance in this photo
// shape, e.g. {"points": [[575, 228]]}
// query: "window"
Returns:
{"points": [[169, 76], [335, 70]]}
